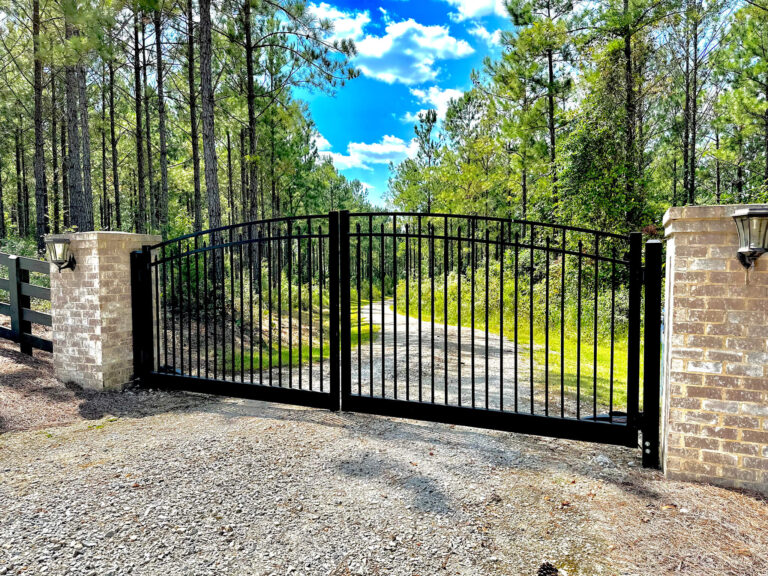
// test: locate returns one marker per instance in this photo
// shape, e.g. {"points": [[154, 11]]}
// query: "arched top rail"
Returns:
{"points": [[222, 229], [531, 224], [496, 219]]}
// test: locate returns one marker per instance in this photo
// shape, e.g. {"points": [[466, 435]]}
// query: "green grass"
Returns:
{"points": [[563, 365], [282, 355]]}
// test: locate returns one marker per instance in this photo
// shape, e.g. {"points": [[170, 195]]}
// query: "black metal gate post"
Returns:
{"points": [[333, 293], [652, 354], [141, 312], [633, 335], [346, 309]]}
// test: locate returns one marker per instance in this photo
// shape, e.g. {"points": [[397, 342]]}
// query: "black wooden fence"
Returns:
{"points": [[22, 297]]}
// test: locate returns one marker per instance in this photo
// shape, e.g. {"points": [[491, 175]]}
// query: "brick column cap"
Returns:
{"points": [[703, 218], [149, 239]]}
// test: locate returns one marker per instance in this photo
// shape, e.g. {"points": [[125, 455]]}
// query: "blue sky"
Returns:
{"points": [[412, 56]]}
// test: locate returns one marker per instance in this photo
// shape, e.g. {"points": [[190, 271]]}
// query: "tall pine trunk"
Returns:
{"points": [[25, 187], [209, 136], [243, 178], [41, 190], [87, 201], [2, 204], [687, 115], [694, 111], [113, 144], [674, 179], [230, 188], [74, 169], [209, 132], [141, 212], [154, 205], [253, 179], [718, 178], [104, 202], [765, 144], [629, 105], [55, 159], [65, 211], [19, 186], [161, 122], [198, 219], [551, 122]]}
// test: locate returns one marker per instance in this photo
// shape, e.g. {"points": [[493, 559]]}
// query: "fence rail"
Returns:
{"points": [[20, 292]]}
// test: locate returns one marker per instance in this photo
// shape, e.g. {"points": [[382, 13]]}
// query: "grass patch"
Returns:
{"points": [[568, 361], [285, 356]]}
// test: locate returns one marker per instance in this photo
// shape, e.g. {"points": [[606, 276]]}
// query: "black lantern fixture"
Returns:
{"points": [[58, 252], [752, 224]]}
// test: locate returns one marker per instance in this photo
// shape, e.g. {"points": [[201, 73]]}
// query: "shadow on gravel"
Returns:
{"points": [[502, 451], [267, 411], [134, 403], [426, 495]]}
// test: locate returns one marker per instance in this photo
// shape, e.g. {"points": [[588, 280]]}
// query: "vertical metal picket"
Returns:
{"points": [[333, 315], [345, 307], [633, 335], [652, 354]]}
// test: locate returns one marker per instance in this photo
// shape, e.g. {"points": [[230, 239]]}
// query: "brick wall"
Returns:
{"points": [[716, 353], [91, 310]]}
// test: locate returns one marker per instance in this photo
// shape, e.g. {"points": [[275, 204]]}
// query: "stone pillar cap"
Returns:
{"points": [[705, 212], [95, 234]]}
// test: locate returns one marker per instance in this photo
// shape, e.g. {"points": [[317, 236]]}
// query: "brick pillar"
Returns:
{"points": [[715, 424], [91, 310]]}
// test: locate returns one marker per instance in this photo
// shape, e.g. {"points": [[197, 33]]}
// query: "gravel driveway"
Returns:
{"points": [[450, 358], [168, 484]]}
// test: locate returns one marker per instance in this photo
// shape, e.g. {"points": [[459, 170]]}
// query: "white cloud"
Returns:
{"points": [[436, 98], [476, 8], [490, 38], [361, 155], [321, 142], [407, 52], [345, 24]]}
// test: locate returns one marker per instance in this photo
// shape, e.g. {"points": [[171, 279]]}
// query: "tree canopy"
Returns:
{"points": [[604, 114]]}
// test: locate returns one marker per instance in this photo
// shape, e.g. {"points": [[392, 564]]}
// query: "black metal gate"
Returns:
{"points": [[249, 310], [489, 322]]}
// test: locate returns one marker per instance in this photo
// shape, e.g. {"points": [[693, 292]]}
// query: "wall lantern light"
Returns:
{"points": [[58, 252], [752, 224]]}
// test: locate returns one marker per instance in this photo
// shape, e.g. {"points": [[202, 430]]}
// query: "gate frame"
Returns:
{"points": [[143, 341], [340, 396]]}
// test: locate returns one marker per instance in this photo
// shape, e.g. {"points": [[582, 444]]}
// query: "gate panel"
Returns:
{"points": [[246, 310], [489, 322], [505, 324]]}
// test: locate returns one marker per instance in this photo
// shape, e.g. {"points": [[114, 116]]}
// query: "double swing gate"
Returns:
{"points": [[489, 322]]}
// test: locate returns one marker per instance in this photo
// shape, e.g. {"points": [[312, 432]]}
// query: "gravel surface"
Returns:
{"points": [[450, 357], [31, 397], [172, 484]]}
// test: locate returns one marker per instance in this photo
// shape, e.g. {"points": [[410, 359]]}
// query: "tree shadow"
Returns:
{"points": [[505, 451], [426, 494], [135, 403]]}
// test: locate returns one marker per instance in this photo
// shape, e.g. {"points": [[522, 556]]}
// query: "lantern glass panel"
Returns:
{"points": [[758, 232], [58, 251]]}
